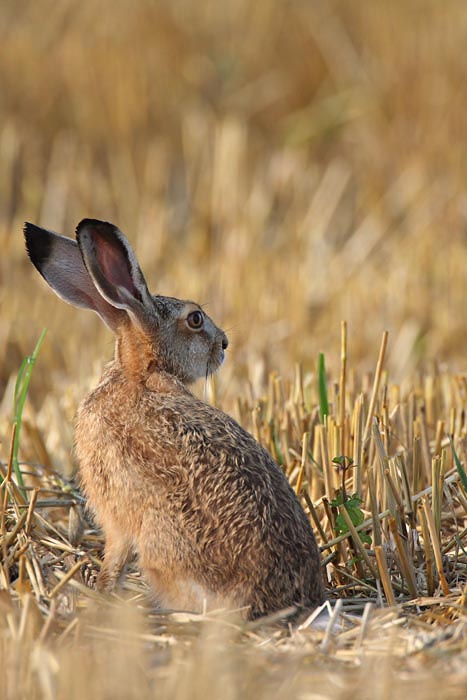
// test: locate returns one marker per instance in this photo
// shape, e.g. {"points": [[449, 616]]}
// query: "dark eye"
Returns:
{"points": [[195, 320]]}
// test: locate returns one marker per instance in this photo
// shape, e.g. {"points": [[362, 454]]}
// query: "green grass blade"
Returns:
{"points": [[322, 388], [459, 467], [19, 379], [21, 391], [277, 447]]}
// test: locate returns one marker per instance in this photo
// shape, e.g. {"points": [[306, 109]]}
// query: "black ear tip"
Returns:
{"points": [[102, 226], [28, 230], [38, 243], [88, 222]]}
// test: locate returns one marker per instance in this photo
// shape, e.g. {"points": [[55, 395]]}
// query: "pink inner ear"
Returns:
{"points": [[114, 265]]}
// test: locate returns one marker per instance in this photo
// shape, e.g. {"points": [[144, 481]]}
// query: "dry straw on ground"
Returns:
{"points": [[291, 164], [60, 636]]}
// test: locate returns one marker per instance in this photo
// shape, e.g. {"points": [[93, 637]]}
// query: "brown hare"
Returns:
{"points": [[211, 517]]}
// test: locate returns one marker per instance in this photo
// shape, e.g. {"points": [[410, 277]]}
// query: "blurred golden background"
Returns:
{"points": [[289, 163]]}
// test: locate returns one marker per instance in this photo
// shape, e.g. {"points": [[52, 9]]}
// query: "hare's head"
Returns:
{"points": [[100, 272]]}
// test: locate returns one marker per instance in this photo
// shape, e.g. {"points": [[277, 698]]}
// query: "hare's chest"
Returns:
{"points": [[107, 462]]}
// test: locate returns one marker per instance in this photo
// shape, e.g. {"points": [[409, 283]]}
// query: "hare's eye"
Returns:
{"points": [[195, 320]]}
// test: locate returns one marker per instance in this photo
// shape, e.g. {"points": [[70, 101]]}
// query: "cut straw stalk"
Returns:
{"points": [[437, 485], [357, 541], [425, 443], [66, 577], [33, 578], [30, 513], [314, 516], [435, 544], [342, 386], [9, 539], [384, 575], [395, 491], [364, 624], [386, 497], [416, 464], [376, 518], [439, 437], [305, 439], [357, 429], [328, 470], [375, 389], [405, 564]]}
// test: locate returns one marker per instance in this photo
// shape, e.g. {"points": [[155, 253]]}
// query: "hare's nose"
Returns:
{"points": [[225, 343]]}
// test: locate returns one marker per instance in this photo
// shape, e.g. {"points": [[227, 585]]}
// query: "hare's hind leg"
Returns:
{"points": [[116, 555]]}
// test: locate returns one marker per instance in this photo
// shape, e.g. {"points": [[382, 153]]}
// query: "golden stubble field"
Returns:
{"points": [[292, 165]]}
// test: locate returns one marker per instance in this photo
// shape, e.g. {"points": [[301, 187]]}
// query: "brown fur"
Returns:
{"points": [[210, 515]]}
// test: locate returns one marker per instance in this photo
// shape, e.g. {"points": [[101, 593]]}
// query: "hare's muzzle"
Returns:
{"points": [[218, 352]]}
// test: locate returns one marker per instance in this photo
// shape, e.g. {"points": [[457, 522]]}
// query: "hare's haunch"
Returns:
{"points": [[210, 515]]}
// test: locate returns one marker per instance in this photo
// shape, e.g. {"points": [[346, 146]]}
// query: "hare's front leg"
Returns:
{"points": [[116, 555]]}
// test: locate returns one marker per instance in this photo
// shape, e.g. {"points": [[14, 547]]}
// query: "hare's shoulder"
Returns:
{"points": [[201, 430], [195, 421]]}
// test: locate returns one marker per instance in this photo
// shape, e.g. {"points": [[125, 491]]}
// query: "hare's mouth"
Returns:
{"points": [[217, 354], [215, 361]]}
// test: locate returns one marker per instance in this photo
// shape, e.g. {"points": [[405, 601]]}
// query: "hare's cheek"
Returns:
{"points": [[199, 350], [197, 358]]}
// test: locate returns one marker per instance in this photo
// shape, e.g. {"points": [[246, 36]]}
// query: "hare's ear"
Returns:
{"points": [[59, 261], [113, 267]]}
